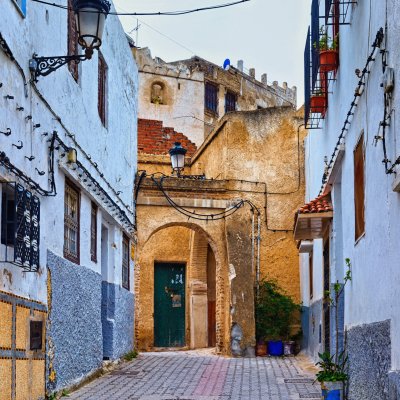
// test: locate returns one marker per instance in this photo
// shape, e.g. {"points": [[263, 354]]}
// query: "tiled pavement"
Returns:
{"points": [[203, 376]]}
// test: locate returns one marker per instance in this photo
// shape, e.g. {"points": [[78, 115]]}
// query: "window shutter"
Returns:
{"points": [[359, 185], [101, 103], [72, 41]]}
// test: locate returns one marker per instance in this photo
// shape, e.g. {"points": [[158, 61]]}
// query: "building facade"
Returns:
{"points": [[352, 196], [68, 146], [193, 228], [165, 90]]}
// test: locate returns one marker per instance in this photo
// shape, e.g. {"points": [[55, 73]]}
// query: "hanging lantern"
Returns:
{"points": [[90, 19], [177, 154]]}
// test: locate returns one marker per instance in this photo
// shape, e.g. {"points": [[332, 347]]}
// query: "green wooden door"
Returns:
{"points": [[169, 305]]}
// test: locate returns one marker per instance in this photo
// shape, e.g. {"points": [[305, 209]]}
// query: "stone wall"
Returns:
{"points": [[117, 314], [369, 350], [74, 336]]}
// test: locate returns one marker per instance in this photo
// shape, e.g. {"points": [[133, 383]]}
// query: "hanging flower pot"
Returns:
{"points": [[328, 60], [318, 104]]}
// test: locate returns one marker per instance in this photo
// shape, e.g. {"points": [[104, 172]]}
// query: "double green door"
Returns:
{"points": [[169, 305]]}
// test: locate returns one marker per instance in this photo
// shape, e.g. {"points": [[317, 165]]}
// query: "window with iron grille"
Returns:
{"points": [[71, 222], [20, 226], [72, 41], [36, 335], [211, 97], [93, 233], [359, 188], [102, 87], [125, 262], [230, 101], [8, 215]]}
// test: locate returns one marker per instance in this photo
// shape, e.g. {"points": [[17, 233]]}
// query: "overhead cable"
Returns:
{"points": [[165, 13]]}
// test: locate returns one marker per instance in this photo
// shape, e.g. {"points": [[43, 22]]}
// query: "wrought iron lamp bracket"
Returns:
{"points": [[43, 66]]}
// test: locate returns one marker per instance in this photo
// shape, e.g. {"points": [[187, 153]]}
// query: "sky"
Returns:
{"points": [[268, 35]]}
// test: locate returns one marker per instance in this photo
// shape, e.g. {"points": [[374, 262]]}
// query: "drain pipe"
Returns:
{"points": [[258, 250], [252, 242]]}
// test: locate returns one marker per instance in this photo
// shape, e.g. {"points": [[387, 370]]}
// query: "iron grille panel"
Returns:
{"points": [[23, 251], [35, 232]]}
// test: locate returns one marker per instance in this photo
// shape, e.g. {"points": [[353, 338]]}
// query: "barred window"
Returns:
{"points": [[125, 262], [230, 101], [211, 97], [71, 222], [93, 233], [20, 226]]}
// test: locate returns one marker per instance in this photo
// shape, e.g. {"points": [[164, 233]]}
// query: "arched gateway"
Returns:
{"points": [[194, 278]]}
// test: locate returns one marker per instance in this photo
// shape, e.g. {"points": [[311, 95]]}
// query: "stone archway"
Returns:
{"points": [[230, 241], [190, 245]]}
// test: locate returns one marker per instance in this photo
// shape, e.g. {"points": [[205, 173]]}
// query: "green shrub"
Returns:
{"points": [[275, 311]]}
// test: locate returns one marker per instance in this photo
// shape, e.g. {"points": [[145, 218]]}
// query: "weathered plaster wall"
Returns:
{"points": [[179, 85], [241, 157], [243, 147]]}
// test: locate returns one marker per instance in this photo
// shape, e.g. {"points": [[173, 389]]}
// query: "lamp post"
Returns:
{"points": [[177, 154], [90, 19]]}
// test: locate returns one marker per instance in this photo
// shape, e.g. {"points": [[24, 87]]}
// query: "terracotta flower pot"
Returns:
{"points": [[318, 104], [328, 60], [261, 349]]}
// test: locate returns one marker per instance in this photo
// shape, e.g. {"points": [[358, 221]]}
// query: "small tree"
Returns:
{"points": [[334, 366]]}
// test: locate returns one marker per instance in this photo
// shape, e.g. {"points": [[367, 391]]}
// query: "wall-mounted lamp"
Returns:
{"points": [[177, 154], [90, 19], [71, 155]]}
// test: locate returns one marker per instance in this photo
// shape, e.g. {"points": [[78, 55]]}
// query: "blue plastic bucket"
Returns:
{"points": [[275, 348]]}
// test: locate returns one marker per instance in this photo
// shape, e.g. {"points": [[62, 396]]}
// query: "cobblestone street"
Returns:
{"points": [[197, 376]]}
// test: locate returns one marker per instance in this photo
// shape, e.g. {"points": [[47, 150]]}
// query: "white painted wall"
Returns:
{"points": [[183, 107], [113, 148], [373, 294]]}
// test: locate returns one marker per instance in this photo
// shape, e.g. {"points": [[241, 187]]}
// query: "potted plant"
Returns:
{"points": [[275, 312], [328, 52], [318, 102], [332, 375]]}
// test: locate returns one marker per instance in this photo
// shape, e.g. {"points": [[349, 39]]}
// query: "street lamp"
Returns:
{"points": [[177, 154], [90, 19]]}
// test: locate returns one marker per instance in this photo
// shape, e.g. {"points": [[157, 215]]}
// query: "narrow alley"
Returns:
{"points": [[200, 375]]}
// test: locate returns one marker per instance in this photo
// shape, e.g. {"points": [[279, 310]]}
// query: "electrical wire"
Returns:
{"points": [[165, 13]]}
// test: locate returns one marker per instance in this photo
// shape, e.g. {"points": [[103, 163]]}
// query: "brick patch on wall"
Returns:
{"points": [[154, 138]]}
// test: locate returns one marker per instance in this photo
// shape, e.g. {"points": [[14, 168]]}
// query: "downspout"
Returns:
{"points": [[258, 250]]}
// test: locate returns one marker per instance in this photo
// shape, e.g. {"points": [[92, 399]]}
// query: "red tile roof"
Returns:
{"points": [[154, 138], [321, 204]]}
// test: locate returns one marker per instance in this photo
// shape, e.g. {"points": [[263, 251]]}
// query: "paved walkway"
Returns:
{"points": [[203, 376]]}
